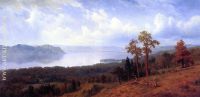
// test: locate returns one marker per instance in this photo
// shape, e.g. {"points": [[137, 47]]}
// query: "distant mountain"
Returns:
{"points": [[92, 48], [25, 53], [169, 48], [107, 61]]}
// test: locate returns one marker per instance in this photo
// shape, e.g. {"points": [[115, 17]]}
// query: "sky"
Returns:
{"points": [[98, 22]]}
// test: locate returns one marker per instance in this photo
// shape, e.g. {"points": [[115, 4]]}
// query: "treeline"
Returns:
{"points": [[58, 74], [43, 90], [143, 64], [22, 82], [37, 81]]}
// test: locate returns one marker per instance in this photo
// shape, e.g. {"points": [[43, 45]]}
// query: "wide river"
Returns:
{"points": [[79, 56]]}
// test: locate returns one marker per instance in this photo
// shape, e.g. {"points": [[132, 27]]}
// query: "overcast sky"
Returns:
{"points": [[98, 22]]}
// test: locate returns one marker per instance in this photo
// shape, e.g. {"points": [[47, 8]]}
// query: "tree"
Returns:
{"points": [[103, 78], [135, 50], [31, 91], [78, 84], [164, 60], [148, 43], [119, 73], [128, 68], [159, 62], [183, 56], [74, 86], [167, 59]]}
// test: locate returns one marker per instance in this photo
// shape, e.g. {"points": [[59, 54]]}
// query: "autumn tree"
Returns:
{"points": [[148, 43], [182, 55], [134, 49]]}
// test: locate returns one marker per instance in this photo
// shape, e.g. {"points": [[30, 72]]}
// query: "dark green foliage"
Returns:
{"points": [[72, 86], [37, 75], [49, 90], [128, 68], [119, 72], [103, 78], [30, 92]]}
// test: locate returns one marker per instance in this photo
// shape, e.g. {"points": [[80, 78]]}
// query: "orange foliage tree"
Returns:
{"points": [[182, 55], [148, 43], [134, 49]]}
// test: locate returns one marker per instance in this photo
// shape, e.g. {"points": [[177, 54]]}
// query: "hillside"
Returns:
{"points": [[174, 83]]}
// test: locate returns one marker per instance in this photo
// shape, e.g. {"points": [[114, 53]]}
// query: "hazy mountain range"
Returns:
{"points": [[24, 53]]}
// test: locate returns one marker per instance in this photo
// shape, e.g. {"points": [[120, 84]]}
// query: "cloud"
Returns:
{"points": [[162, 22], [109, 23], [73, 22], [191, 27], [170, 29], [39, 3], [109, 28], [16, 28], [99, 16]]}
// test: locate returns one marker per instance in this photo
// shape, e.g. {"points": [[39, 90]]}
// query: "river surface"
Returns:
{"points": [[78, 56]]}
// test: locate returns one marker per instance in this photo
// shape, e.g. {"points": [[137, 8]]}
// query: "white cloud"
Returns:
{"points": [[52, 28], [159, 22], [192, 22], [55, 23], [107, 27], [39, 3], [169, 29], [188, 27], [162, 22], [99, 17], [111, 24], [34, 16], [191, 27], [115, 23], [55, 35], [74, 3]]}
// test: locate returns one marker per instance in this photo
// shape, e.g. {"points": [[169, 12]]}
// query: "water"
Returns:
{"points": [[79, 56]]}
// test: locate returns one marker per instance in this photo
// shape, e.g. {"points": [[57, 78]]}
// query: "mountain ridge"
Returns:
{"points": [[21, 53]]}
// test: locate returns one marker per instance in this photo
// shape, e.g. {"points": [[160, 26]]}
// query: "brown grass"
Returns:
{"points": [[88, 90], [176, 83]]}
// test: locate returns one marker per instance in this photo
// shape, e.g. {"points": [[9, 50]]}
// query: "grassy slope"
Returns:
{"points": [[90, 89], [175, 83]]}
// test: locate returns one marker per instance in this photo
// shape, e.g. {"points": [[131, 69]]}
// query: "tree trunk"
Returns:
{"points": [[182, 63], [119, 79], [137, 66], [147, 63], [128, 75]]}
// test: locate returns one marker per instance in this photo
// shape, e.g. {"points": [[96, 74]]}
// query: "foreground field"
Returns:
{"points": [[175, 82]]}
